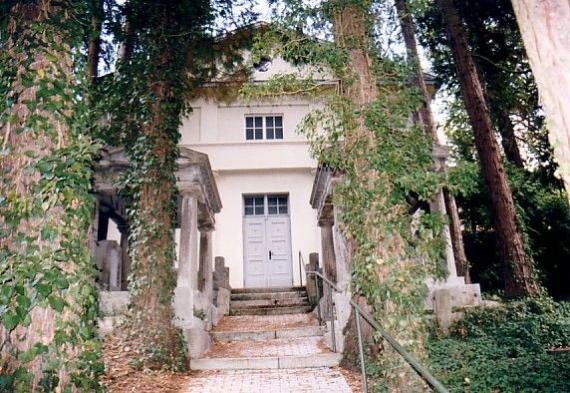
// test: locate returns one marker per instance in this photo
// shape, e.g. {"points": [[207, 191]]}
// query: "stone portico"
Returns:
{"points": [[197, 304]]}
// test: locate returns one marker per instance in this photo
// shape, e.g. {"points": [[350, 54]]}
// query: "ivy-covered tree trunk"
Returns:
{"points": [[544, 29], [520, 278], [150, 93], [48, 301], [153, 279], [408, 32], [377, 223]]}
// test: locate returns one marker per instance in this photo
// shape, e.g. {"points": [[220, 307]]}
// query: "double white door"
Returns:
{"points": [[267, 241]]}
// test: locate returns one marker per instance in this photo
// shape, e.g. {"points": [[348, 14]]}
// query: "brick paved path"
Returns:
{"points": [[318, 380]]}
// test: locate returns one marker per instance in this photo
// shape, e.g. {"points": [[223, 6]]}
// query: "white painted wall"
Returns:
{"points": [[228, 237]]}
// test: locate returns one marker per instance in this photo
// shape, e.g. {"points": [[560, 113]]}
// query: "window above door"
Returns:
{"points": [[259, 127], [266, 205]]}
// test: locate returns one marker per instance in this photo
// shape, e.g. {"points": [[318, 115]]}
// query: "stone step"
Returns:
{"points": [[271, 310], [262, 335], [300, 301], [266, 322], [299, 352], [266, 290], [269, 295], [285, 362]]}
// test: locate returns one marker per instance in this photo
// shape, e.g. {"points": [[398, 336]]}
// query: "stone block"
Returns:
{"points": [[107, 324], [197, 338], [113, 302], [311, 361], [223, 301], [221, 274], [443, 309], [183, 306]]}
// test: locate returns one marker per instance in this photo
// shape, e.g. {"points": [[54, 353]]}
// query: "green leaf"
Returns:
{"points": [[10, 320], [57, 303]]}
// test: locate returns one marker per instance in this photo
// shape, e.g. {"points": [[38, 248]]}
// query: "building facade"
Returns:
{"points": [[264, 174]]}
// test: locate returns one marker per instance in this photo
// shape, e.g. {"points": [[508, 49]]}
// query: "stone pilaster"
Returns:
{"points": [[187, 280], [328, 253], [205, 272]]}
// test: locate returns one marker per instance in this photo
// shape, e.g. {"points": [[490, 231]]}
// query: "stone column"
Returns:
{"points": [[327, 245], [125, 259], [205, 272], [94, 228], [438, 205], [440, 154], [187, 277]]}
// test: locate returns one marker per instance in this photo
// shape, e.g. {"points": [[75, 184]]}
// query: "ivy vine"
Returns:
{"points": [[48, 298]]}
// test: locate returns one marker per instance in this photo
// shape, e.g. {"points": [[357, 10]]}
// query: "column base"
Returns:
{"points": [[461, 294]]}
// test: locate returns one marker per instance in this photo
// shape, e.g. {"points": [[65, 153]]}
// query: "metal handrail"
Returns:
{"points": [[411, 360]]}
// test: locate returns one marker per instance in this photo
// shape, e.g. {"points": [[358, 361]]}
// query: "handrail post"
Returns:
{"points": [[361, 350], [300, 271], [331, 308], [318, 299]]}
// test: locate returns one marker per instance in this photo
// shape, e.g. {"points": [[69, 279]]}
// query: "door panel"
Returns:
{"points": [[279, 244], [255, 252]]}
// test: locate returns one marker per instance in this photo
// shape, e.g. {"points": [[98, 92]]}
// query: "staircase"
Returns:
{"points": [[267, 329], [269, 301]]}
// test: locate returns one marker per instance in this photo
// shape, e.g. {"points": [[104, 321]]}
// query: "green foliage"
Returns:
{"points": [[545, 217], [505, 349], [44, 258]]}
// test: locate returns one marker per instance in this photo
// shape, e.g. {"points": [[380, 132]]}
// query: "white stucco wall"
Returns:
{"points": [[228, 237]]}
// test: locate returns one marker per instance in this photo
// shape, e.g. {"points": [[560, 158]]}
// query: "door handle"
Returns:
{"points": [[269, 254]]}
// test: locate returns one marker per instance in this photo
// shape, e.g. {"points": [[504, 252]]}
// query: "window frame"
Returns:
{"points": [[265, 129], [266, 213]]}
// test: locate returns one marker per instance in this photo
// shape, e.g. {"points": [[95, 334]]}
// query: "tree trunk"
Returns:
{"points": [[520, 278], [544, 30], [94, 44], [351, 24], [153, 249], [509, 139], [48, 296], [408, 32]]}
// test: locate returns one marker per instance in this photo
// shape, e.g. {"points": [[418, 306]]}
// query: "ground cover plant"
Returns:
{"points": [[517, 347]]}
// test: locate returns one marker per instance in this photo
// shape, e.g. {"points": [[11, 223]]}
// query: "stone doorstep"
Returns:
{"points": [[271, 310], [234, 304], [268, 290], [283, 362], [268, 296], [261, 335]]}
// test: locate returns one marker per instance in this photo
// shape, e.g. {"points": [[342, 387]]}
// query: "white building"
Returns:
{"points": [[264, 174]]}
